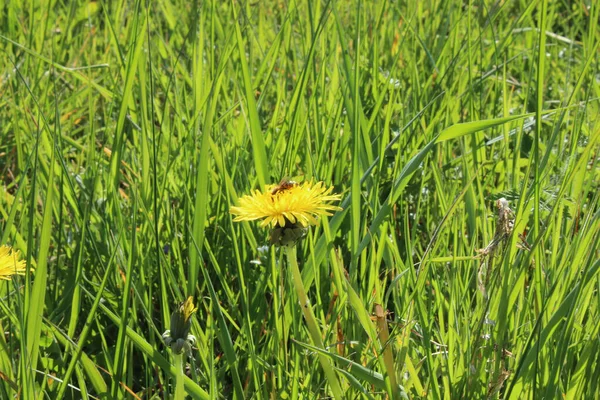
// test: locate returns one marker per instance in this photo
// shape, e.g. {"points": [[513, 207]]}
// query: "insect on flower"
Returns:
{"points": [[283, 185], [287, 202]]}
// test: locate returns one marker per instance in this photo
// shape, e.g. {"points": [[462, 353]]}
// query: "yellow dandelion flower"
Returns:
{"points": [[9, 263], [290, 202]]}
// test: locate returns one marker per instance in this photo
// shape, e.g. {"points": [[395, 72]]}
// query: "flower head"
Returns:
{"points": [[178, 337], [297, 204], [9, 263]]}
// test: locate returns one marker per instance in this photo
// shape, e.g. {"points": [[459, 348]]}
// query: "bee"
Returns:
{"points": [[283, 185]]}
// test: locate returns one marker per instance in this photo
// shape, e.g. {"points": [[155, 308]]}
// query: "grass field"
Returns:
{"points": [[128, 130]]}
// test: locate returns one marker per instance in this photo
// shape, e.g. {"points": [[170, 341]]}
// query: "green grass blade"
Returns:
{"points": [[37, 300], [224, 335], [258, 143]]}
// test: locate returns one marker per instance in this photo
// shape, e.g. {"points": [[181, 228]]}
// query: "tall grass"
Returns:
{"points": [[128, 129]]}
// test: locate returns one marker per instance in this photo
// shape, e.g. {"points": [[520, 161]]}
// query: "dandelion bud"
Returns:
{"points": [[178, 338]]}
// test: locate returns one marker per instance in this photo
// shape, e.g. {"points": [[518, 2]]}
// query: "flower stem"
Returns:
{"points": [[311, 323], [179, 391]]}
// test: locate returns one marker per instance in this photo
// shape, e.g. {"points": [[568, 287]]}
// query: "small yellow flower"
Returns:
{"points": [[296, 203], [187, 309], [9, 263]]}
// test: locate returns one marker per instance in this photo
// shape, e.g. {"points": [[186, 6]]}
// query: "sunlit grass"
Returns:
{"points": [[129, 130]]}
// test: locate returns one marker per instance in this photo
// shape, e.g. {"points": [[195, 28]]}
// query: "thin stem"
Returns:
{"points": [[309, 317], [179, 390]]}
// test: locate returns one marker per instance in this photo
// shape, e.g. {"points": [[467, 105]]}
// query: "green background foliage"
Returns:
{"points": [[128, 129]]}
